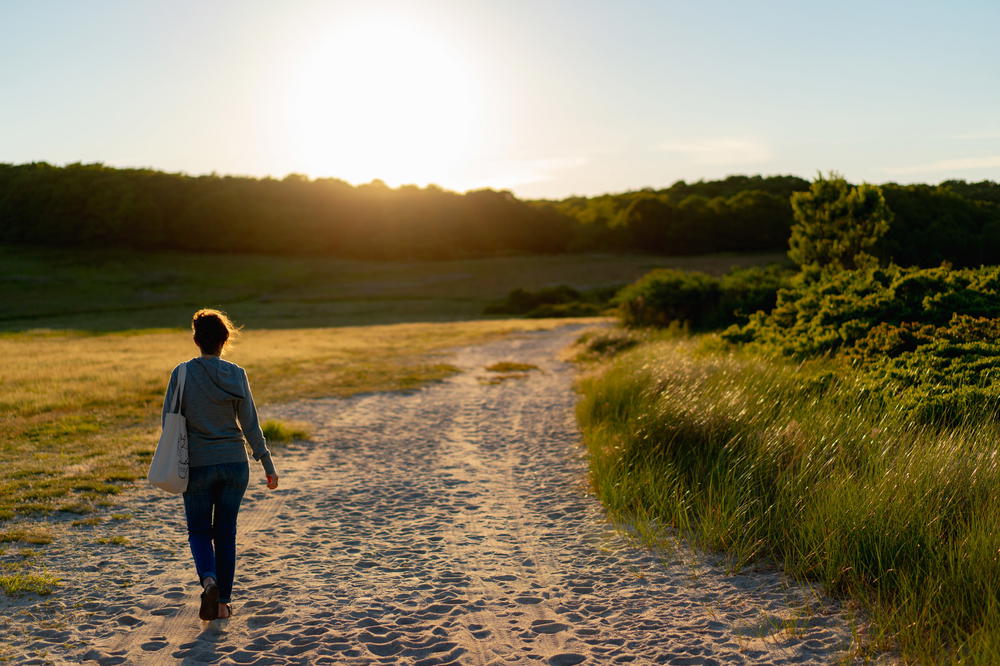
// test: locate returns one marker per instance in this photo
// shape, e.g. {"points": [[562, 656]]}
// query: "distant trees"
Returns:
{"points": [[736, 214], [943, 223], [95, 205], [836, 224]]}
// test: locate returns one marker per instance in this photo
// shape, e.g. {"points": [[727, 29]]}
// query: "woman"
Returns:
{"points": [[220, 413]]}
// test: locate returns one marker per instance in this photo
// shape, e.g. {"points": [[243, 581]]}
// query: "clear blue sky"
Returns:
{"points": [[547, 98]]}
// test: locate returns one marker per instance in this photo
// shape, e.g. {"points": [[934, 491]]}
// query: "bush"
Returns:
{"points": [[698, 299], [941, 374], [749, 290], [835, 311], [925, 339], [559, 301]]}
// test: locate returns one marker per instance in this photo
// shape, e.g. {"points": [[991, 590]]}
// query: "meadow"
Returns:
{"points": [[89, 338], [115, 290]]}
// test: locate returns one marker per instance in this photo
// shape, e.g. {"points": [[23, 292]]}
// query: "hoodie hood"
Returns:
{"points": [[219, 381]]}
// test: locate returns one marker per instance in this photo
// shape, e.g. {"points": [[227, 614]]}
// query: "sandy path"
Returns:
{"points": [[451, 525]]}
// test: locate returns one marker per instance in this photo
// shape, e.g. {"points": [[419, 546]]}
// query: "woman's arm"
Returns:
{"points": [[250, 423]]}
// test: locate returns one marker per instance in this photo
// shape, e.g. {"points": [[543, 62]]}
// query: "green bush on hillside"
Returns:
{"points": [[945, 374], [558, 301], [702, 301], [835, 311], [927, 340]]}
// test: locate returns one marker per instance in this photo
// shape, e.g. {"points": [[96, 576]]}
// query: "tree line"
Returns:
{"points": [[100, 206], [96, 205]]}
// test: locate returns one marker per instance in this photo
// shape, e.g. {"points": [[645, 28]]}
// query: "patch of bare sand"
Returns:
{"points": [[450, 525]]}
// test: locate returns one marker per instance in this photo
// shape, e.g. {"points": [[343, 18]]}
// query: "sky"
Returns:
{"points": [[546, 98]]}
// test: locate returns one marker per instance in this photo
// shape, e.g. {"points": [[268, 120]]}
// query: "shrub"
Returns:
{"points": [[666, 295], [559, 301], [925, 339], [748, 290], [838, 309], [698, 299]]}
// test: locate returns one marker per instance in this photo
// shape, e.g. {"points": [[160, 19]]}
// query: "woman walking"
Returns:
{"points": [[221, 415]]}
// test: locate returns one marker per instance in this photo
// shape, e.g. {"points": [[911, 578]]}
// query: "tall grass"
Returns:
{"points": [[800, 464]]}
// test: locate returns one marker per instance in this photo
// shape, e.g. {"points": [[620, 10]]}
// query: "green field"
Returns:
{"points": [[89, 339], [118, 290], [91, 336]]}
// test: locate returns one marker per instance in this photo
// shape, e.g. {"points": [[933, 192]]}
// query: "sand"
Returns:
{"points": [[449, 525]]}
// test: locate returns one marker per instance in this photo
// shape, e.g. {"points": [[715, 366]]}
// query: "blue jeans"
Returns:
{"points": [[211, 504]]}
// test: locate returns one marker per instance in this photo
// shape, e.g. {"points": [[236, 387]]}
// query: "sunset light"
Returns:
{"points": [[383, 99], [487, 332]]}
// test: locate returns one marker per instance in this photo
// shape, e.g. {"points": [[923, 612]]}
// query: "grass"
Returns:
{"points": [[91, 520], [80, 410], [282, 431], [116, 540], [26, 534], [112, 290], [509, 366], [797, 463], [20, 583]]}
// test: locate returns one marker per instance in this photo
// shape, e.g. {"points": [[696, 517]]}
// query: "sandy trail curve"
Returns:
{"points": [[449, 525]]}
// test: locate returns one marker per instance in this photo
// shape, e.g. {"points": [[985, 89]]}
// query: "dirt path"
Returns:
{"points": [[451, 525]]}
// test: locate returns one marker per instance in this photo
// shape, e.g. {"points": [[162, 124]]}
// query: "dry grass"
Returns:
{"points": [[26, 534], [510, 366], [79, 413], [116, 540]]}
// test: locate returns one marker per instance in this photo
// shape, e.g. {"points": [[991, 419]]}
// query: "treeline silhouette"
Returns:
{"points": [[94, 205], [737, 214]]}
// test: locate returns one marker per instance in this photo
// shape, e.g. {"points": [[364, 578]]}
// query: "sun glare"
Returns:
{"points": [[384, 100]]}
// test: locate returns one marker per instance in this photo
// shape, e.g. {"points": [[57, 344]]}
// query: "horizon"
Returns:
{"points": [[549, 102], [487, 187]]}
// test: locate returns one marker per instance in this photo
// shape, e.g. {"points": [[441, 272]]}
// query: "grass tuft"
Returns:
{"points": [[283, 431], [26, 534], [116, 540], [21, 583], [91, 520], [510, 366]]}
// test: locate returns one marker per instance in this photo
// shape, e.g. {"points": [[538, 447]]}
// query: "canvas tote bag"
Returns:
{"points": [[169, 469]]}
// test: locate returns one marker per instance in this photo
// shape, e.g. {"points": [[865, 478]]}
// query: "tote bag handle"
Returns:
{"points": [[175, 401]]}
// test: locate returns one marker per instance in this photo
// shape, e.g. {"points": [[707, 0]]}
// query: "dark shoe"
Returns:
{"points": [[209, 602], [228, 613]]}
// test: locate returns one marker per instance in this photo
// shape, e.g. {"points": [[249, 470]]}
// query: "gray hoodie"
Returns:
{"points": [[216, 395]]}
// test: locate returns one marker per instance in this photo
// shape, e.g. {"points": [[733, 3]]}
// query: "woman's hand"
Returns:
{"points": [[272, 481]]}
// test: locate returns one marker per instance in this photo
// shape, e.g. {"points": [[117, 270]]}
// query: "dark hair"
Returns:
{"points": [[212, 330]]}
